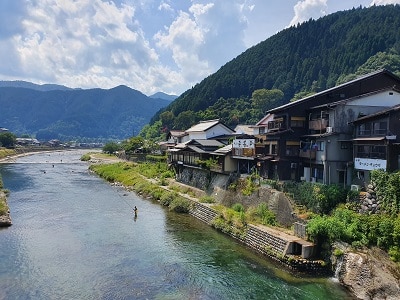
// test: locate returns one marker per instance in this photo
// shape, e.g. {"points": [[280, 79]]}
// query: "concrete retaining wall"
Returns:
{"points": [[288, 249]]}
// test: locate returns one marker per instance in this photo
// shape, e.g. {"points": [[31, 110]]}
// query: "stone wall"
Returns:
{"points": [[287, 249], [276, 201], [369, 202], [195, 177]]}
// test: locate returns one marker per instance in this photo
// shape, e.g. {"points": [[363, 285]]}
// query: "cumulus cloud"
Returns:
{"points": [[306, 9], [86, 43], [205, 36], [104, 43]]}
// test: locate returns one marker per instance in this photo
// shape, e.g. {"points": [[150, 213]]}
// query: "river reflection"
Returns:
{"points": [[76, 237]]}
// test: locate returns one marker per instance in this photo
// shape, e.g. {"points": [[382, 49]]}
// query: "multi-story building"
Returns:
{"points": [[327, 149], [292, 140], [376, 143]]}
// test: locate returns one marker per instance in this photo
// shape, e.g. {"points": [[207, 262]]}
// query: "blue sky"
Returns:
{"points": [[148, 45]]}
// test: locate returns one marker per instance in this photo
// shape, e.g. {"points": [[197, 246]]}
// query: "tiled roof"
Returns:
{"points": [[203, 126]]}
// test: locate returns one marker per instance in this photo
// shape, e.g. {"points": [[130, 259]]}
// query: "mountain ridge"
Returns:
{"points": [[66, 114], [308, 57]]}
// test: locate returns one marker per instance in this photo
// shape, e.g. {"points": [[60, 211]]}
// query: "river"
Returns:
{"points": [[74, 236]]}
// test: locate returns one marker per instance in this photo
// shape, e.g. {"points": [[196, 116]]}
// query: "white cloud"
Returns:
{"points": [[86, 43], [165, 6], [384, 2], [306, 9], [149, 45], [204, 37]]}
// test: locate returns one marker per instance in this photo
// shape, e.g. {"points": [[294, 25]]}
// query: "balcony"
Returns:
{"points": [[318, 124], [310, 154]]}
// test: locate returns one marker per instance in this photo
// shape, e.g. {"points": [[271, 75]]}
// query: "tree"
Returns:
{"points": [[184, 120], [167, 119], [301, 95], [7, 139], [111, 147], [133, 144], [264, 99]]}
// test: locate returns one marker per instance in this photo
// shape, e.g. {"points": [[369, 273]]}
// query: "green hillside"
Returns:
{"points": [[312, 56], [70, 114]]}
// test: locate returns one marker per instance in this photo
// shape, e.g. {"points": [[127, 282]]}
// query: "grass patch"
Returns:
{"points": [[6, 152], [133, 176], [207, 199], [85, 157]]}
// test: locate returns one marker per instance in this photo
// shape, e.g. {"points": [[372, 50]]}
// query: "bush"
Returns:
{"points": [[85, 157], [238, 207], [207, 199], [180, 205], [3, 206], [167, 198]]}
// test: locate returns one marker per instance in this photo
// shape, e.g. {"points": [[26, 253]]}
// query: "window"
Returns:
{"points": [[380, 128], [320, 146], [362, 151], [267, 149], [297, 121], [371, 151], [292, 150], [378, 152], [274, 149], [276, 124], [262, 130], [364, 129], [319, 173]]}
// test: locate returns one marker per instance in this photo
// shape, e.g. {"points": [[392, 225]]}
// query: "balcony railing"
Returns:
{"points": [[318, 124], [311, 154]]}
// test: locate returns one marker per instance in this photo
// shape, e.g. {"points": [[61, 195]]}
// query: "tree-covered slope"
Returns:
{"points": [[65, 114], [310, 56]]}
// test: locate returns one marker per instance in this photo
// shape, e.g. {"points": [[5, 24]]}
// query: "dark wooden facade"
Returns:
{"points": [[276, 147]]}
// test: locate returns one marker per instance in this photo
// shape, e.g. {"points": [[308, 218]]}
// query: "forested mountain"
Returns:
{"points": [[67, 114], [309, 57], [33, 86], [164, 96]]}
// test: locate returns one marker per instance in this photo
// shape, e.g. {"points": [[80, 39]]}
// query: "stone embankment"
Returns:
{"points": [[290, 250]]}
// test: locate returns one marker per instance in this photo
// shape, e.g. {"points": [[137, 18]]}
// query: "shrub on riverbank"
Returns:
{"points": [[230, 221], [85, 157], [359, 230], [3, 204], [3, 199], [132, 176]]}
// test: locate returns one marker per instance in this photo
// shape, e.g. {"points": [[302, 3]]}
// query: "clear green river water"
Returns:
{"points": [[74, 236]]}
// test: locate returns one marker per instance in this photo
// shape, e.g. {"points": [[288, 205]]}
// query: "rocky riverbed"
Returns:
{"points": [[369, 274]]}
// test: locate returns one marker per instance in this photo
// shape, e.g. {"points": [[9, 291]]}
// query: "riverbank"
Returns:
{"points": [[376, 287], [5, 218], [274, 242], [354, 270]]}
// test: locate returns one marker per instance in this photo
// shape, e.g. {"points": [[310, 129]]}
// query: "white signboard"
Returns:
{"points": [[244, 143], [369, 164]]}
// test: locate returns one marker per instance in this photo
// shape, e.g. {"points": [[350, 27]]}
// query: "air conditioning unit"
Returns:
{"points": [[355, 187], [293, 165], [329, 129]]}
